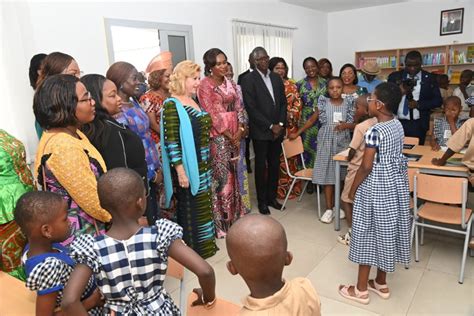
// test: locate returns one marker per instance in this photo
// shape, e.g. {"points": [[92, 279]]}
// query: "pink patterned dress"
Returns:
{"points": [[229, 177]]}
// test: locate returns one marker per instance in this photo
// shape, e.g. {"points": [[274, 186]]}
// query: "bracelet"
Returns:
{"points": [[208, 305]]}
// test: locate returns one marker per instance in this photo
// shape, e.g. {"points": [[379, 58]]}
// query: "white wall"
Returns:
{"points": [[403, 25], [78, 29]]}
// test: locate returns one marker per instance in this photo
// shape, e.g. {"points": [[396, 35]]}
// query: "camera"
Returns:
{"points": [[409, 84]]}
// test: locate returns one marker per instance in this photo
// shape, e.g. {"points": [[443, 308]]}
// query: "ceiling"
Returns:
{"points": [[340, 5]]}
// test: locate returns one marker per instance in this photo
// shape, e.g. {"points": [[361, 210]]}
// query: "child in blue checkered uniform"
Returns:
{"points": [[130, 261], [381, 219], [43, 217], [447, 125]]}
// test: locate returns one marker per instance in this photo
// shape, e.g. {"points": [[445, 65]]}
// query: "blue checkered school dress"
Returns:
{"points": [[381, 220], [441, 125], [49, 272], [130, 273], [331, 142]]}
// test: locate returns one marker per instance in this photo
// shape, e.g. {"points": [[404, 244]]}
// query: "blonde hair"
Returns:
{"points": [[181, 72]]}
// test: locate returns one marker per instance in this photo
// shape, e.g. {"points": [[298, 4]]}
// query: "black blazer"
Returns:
{"points": [[261, 108], [430, 96], [120, 147], [241, 76]]}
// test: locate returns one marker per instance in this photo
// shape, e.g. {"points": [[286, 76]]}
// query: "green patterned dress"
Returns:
{"points": [[194, 212], [15, 180], [309, 96]]}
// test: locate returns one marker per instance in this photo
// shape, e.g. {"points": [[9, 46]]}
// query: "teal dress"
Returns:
{"points": [[309, 96]]}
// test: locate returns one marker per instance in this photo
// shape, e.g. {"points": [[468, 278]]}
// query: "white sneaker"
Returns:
{"points": [[327, 216], [344, 239], [342, 214]]}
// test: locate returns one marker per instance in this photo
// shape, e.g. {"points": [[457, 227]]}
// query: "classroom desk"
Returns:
{"points": [[423, 164]]}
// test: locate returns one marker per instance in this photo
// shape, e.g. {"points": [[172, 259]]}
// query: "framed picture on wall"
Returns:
{"points": [[451, 21]]}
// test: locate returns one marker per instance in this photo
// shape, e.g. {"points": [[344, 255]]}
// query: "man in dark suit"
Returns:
{"points": [[420, 95], [265, 102], [247, 140]]}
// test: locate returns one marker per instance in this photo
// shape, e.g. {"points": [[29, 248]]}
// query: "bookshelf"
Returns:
{"points": [[442, 59]]}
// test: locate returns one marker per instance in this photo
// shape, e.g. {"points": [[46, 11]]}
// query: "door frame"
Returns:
{"points": [[164, 29]]}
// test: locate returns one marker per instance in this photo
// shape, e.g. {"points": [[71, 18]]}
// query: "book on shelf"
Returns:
{"points": [[470, 54], [454, 76], [382, 61]]}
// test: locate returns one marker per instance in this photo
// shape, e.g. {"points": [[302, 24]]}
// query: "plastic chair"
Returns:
{"points": [[220, 308], [437, 191], [411, 140], [176, 270], [293, 148]]}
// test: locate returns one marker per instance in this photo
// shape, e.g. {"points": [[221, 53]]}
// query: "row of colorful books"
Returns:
{"points": [[382, 61]]}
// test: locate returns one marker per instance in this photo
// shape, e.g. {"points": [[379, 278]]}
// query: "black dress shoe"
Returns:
{"points": [[276, 205], [264, 210], [249, 167]]}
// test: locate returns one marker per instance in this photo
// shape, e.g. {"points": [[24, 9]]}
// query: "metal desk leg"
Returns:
{"points": [[337, 196]]}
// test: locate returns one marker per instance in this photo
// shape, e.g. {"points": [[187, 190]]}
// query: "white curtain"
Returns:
{"points": [[278, 41]]}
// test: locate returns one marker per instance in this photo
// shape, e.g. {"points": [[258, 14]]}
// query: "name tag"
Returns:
{"points": [[337, 117], [447, 134]]}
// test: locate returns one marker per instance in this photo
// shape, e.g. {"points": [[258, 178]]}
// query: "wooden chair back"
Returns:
{"points": [[175, 269], [15, 299], [440, 189], [292, 148]]}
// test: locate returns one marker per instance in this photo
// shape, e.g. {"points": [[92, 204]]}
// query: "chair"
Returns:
{"points": [[176, 270], [437, 191], [411, 140], [16, 299], [220, 308], [293, 148]]}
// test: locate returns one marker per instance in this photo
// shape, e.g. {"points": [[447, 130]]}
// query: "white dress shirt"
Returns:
{"points": [[416, 97]]}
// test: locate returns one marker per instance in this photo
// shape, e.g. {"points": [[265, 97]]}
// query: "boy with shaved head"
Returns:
{"points": [[257, 249]]}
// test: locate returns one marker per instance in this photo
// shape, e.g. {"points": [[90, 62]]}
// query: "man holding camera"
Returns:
{"points": [[420, 95]]}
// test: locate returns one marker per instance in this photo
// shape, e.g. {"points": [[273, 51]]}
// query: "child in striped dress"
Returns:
{"points": [[381, 217], [447, 125], [130, 261]]}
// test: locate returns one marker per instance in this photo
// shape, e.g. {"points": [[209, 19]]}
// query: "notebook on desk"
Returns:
{"points": [[455, 162]]}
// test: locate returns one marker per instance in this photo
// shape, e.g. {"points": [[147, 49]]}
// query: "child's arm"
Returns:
{"points": [[344, 125], [72, 293], [364, 170], [192, 261], [310, 122], [46, 304], [442, 161]]}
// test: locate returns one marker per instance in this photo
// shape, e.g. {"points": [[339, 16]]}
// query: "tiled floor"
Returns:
{"points": [[428, 287]]}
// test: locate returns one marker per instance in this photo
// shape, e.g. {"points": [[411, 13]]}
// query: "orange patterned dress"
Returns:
{"points": [[293, 116]]}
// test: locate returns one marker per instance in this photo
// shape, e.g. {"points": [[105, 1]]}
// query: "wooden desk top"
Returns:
{"points": [[15, 298], [425, 161]]}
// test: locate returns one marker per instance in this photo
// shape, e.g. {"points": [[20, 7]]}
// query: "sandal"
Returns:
{"points": [[376, 288], [361, 297]]}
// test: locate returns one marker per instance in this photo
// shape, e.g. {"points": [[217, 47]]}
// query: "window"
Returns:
{"points": [[277, 40], [138, 42]]}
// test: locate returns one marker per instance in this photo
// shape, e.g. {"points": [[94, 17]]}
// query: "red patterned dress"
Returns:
{"points": [[294, 113], [230, 194]]}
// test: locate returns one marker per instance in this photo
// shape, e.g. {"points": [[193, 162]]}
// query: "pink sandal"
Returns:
{"points": [[361, 297], [377, 289]]}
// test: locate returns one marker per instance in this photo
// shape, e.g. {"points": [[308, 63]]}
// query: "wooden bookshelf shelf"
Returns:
{"points": [[449, 59]]}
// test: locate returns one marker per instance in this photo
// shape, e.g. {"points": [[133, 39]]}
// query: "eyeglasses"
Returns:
{"points": [[88, 99], [369, 99]]}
